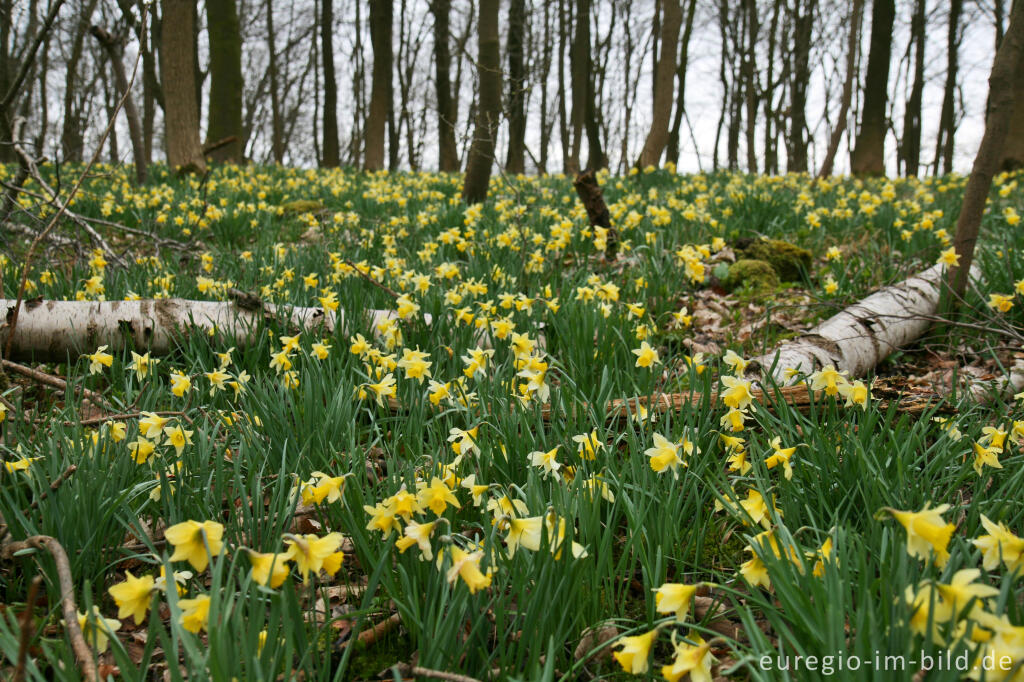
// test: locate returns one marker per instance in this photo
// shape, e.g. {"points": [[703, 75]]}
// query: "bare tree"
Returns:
{"points": [[869, 153], [1007, 67], [488, 113], [947, 122], [672, 151], [515, 161], [796, 144], [381, 90], [226, 85], [331, 153], [910, 148], [844, 104], [113, 46], [664, 77], [181, 119]]}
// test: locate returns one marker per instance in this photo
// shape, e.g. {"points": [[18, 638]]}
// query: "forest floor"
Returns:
{"points": [[402, 499]]}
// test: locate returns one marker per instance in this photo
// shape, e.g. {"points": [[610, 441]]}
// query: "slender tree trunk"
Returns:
{"points": [[912, 117], [184, 151], [546, 123], [381, 19], [947, 122], [488, 110], [1009, 63], [664, 77], [226, 85], [869, 152], [803, 23], [672, 151], [750, 82], [276, 116], [71, 136], [844, 102], [592, 115], [115, 53], [355, 152], [771, 116], [332, 155], [448, 153], [515, 161], [563, 119], [578, 63]]}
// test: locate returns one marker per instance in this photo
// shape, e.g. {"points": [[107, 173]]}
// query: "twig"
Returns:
{"points": [[29, 57], [25, 624], [63, 206], [211, 147], [369, 637], [79, 218], [383, 287], [441, 675], [82, 650], [57, 483], [122, 417], [30, 164], [50, 380]]}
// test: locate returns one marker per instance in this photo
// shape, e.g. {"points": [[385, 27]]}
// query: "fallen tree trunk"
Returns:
{"points": [[53, 330], [862, 335]]}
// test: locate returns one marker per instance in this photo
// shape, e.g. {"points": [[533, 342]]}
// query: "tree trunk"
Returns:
{"points": [[115, 53], [912, 117], [563, 119], [447, 151], [844, 103], [488, 110], [750, 82], [947, 122], [1008, 65], [546, 123], [579, 77], [515, 161], [184, 152], [332, 155], [672, 151], [276, 118], [71, 135], [869, 152], [664, 77], [803, 24], [226, 85], [381, 16], [1013, 158]]}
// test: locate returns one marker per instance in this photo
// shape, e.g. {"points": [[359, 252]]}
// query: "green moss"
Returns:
{"points": [[302, 206], [789, 260], [758, 276]]}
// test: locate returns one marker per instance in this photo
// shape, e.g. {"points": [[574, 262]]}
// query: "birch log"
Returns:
{"points": [[864, 334], [53, 330]]}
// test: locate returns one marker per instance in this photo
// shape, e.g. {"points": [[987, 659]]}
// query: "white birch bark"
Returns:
{"points": [[861, 336], [53, 330]]}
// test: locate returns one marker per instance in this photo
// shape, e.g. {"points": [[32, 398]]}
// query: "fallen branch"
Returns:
{"points": [[419, 671], [25, 625], [369, 637], [83, 653], [54, 382], [862, 335]]}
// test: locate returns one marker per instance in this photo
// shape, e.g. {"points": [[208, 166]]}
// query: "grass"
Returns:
{"points": [[607, 531]]}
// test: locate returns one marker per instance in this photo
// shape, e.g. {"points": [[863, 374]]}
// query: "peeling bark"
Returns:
{"points": [[864, 334]]}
